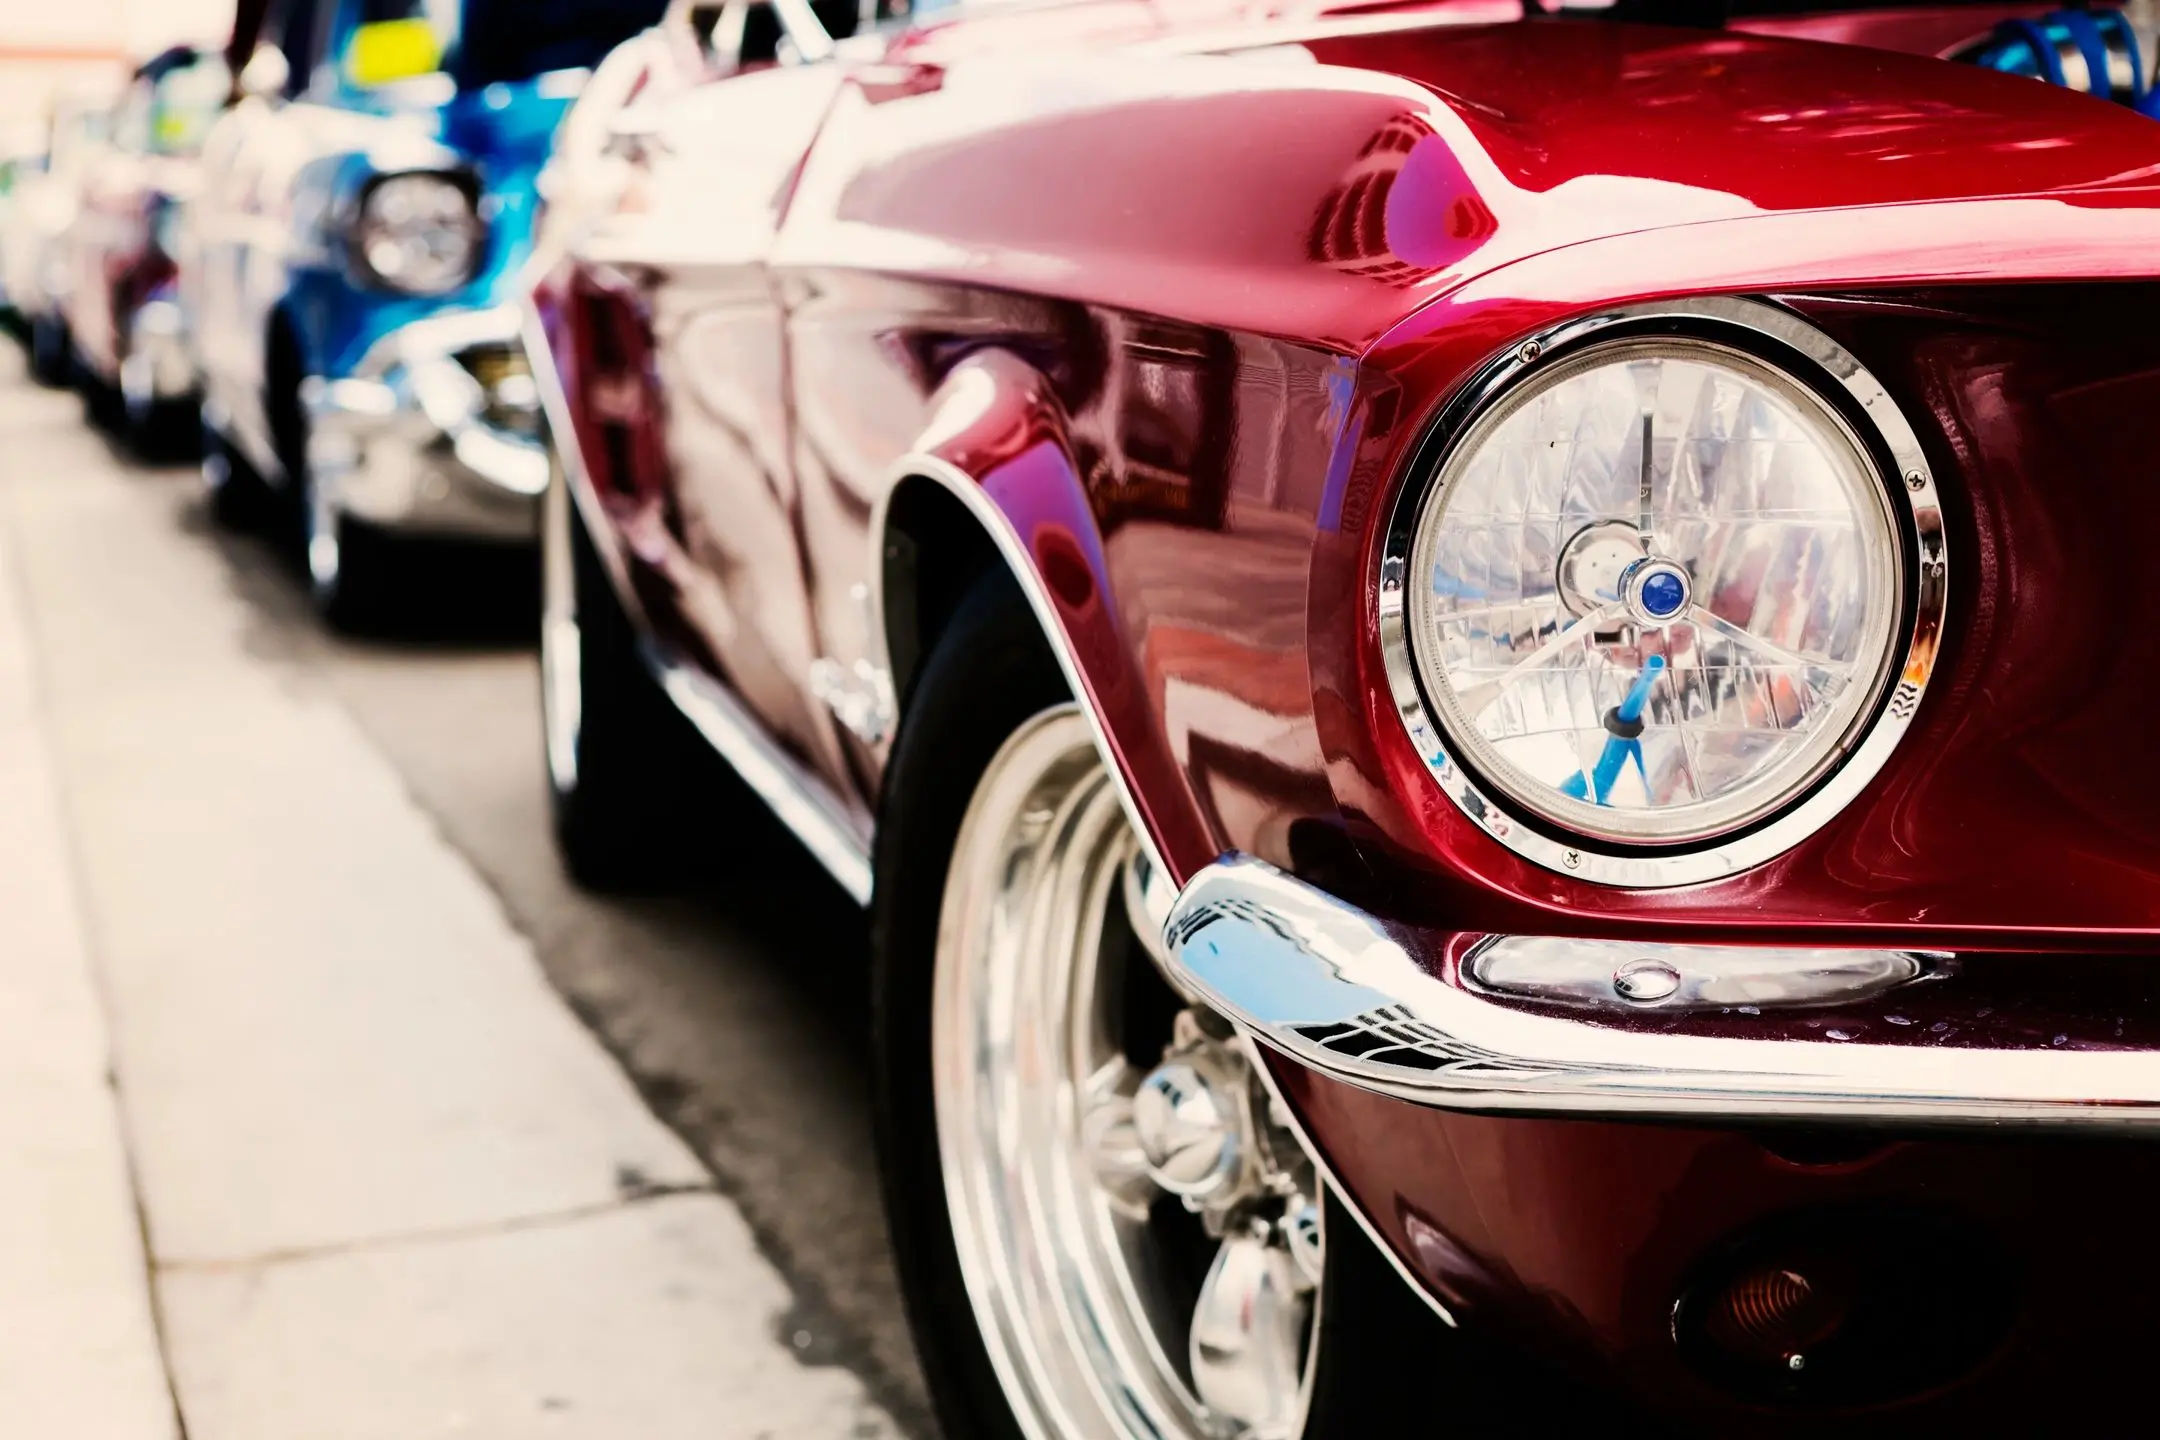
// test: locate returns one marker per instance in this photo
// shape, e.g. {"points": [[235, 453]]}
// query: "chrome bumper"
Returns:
{"points": [[1335, 989], [158, 366], [406, 443]]}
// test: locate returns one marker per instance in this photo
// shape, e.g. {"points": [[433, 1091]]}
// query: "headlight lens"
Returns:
{"points": [[1654, 591], [418, 233]]}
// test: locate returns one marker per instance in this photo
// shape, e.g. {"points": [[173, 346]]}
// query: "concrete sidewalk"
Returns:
{"points": [[389, 1187]]}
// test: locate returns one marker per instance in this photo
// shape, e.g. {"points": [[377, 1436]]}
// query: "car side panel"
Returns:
{"points": [[256, 224], [218, 230], [682, 407], [1160, 478], [110, 230], [1166, 477]]}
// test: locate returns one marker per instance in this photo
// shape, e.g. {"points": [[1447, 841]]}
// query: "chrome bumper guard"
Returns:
{"points": [[407, 442], [1335, 989]]}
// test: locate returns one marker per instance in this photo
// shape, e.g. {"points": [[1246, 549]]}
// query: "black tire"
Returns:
{"points": [[357, 597], [1384, 1353], [990, 673], [154, 428], [239, 497], [638, 798], [163, 431], [102, 406], [354, 582], [52, 351]]}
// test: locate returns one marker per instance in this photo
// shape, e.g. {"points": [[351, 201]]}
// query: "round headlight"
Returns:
{"points": [[418, 233], [1653, 596]]}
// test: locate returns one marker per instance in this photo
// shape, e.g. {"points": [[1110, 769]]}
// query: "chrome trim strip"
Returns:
{"points": [[1300, 968], [441, 336], [1014, 552], [411, 397], [802, 801], [1910, 484]]}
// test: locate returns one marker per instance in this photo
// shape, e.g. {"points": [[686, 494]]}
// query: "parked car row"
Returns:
{"points": [[310, 266], [1483, 665], [354, 268], [43, 201]]}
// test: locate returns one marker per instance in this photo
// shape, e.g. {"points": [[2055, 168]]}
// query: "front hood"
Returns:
{"points": [[508, 127], [1324, 188], [1551, 134]]}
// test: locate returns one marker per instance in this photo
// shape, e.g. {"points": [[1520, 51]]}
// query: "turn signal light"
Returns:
{"points": [[1775, 1316], [1846, 1307]]}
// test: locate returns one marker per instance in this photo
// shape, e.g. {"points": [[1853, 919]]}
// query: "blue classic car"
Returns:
{"points": [[349, 268]]}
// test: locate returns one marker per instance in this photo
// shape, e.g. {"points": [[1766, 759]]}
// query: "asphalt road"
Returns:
{"points": [[737, 1009]]}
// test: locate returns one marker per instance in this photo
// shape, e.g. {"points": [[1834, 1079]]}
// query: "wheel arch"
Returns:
{"points": [[991, 487], [939, 531]]}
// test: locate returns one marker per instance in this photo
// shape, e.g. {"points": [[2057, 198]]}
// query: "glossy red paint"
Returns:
{"points": [[598, 329], [113, 259], [1181, 320], [1975, 834], [114, 250], [1585, 1234], [1488, 194], [1917, 30]]}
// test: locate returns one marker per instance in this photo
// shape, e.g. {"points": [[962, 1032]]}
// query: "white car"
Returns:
{"points": [[44, 203]]}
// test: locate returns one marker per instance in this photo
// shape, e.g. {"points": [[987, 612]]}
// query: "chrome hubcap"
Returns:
{"points": [[325, 558], [138, 393], [1140, 1234]]}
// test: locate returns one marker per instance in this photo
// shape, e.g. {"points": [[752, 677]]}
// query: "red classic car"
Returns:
{"points": [[120, 308], [1483, 671]]}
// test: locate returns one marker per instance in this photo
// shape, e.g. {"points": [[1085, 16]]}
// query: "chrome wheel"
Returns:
{"points": [[138, 380], [1139, 1233], [323, 536], [562, 691]]}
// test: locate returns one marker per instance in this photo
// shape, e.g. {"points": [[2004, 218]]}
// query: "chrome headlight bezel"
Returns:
{"points": [[470, 228], [1815, 363]]}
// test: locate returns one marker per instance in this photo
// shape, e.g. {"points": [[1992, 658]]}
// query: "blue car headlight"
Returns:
{"points": [[418, 233]]}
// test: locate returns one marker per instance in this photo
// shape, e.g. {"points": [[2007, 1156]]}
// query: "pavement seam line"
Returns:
{"points": [[11, 560], [312, 655], [307, 660], [440, 1235]]}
